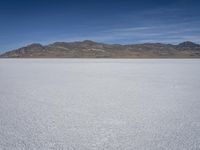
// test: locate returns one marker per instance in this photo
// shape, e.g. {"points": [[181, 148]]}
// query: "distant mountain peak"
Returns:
{"points": [[35, 45], [188, 44], [88, 41]]}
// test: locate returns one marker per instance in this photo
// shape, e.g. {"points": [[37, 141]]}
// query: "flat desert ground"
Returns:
{"points": [[100, 104]]}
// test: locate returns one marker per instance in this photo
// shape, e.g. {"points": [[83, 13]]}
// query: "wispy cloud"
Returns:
{"points": [[166, 24], [165, 34]]}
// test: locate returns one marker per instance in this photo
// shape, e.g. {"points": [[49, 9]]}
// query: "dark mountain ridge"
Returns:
{"points": [[91, 49]]}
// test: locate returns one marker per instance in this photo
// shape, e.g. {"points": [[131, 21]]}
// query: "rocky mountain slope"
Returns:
{"points": [[91, 49]]}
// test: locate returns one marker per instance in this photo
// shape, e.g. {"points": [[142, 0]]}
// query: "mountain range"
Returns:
{"points": [[91, 49]]}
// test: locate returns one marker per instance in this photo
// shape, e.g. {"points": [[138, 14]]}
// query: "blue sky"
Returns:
{"points": [[24, 22]]}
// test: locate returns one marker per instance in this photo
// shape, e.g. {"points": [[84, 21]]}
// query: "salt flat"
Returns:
{"points": [[89, 104]]}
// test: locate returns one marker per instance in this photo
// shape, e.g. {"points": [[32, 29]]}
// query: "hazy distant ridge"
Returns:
{"points": [[91, 49]]}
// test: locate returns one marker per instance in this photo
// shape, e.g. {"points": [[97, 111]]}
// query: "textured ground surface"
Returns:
{"points": [[88, 104]]}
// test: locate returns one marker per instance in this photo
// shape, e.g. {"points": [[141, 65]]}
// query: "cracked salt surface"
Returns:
{"points": [[89, 104]]}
